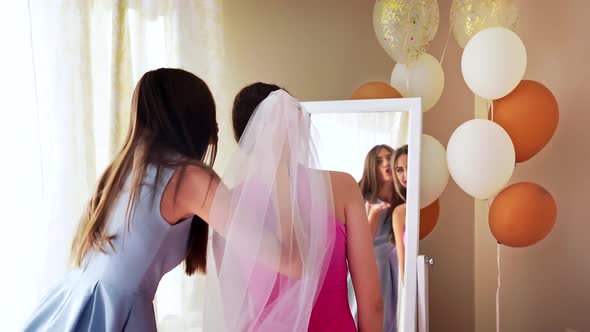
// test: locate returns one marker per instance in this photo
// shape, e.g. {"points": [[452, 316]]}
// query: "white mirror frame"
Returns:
{"points": [[413, 106]]}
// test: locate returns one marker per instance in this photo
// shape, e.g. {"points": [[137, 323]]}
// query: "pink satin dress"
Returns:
{"points": [[331, 311]]}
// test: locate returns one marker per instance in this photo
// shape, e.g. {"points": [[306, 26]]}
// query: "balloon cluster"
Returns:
{"points": [[481, 154], [405, 29]]}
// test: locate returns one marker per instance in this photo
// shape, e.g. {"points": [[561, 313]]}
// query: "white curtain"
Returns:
{"points": [[68, 70], [347, 137]]}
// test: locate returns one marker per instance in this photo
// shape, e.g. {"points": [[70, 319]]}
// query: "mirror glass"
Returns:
{"points": [[364, 145]]}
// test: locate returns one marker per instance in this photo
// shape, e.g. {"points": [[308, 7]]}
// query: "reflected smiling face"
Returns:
{"points": [[401, 169]]}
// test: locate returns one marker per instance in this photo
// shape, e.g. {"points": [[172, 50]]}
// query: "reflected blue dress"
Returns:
{"points": [[115, 291], [387, 266]]}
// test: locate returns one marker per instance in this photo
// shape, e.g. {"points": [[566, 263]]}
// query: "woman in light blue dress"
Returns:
{"points": [[378, 190], [147, 215]]}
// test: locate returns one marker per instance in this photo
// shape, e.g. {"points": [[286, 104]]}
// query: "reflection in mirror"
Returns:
{"points": [[371, 147]]}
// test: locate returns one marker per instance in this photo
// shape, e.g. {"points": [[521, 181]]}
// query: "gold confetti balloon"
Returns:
{"points": [[469, 17], [405, 28]]}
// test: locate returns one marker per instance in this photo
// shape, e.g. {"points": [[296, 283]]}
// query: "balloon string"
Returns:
{"points": [[442, 57], [498, 293]]}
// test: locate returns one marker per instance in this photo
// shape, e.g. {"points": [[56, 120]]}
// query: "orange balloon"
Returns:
{"points": [[428, 218], [375, 90], [522, 215], [529, 114]]}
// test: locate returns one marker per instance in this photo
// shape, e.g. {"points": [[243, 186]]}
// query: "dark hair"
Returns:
{"points": [[172, 125], [246, 102], [400, 190]]}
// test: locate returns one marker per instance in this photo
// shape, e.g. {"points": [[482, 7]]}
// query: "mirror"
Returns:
{"points": [[360, 137]]}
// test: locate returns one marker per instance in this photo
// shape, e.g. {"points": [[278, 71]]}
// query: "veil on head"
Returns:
{"points": [[269, 257]]}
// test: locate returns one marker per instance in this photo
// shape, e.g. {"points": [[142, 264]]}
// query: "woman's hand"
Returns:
{"points": [[374, 214]]}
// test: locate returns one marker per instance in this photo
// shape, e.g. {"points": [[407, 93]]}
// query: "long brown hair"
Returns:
{"points": [[369, 184], [400, 190], [172, 125]]}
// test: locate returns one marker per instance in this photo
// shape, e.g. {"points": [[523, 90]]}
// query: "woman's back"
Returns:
{"points": [[147, 246], [303, 220], [331, 311], [352, 243], [114, 290]]}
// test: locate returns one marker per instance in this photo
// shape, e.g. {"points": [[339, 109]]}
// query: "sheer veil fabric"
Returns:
{"points": [[268, 259]]}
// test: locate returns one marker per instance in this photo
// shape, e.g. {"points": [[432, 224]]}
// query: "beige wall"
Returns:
{"points": [[546, 287], [318, 50], [325, 49], [451, 243]]}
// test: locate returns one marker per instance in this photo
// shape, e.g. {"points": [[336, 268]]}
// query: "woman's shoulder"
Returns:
{"points": [[195, 181], [345, 186], [196, 173], [342, 180], [400, 210]]}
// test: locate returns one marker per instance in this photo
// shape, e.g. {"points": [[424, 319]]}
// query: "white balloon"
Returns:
{"points": [[493, 62], [480, 157], [424, 78], [434, 175]]}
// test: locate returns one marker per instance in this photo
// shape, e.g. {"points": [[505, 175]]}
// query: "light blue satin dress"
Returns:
{"points": [[387, 266], [115, 291]]}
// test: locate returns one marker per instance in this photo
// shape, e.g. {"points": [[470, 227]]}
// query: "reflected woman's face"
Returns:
{"points": [[401, 169], [384, 173]]}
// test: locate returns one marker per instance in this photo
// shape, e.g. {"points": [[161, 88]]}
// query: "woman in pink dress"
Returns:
{"points": [[398, 219], [282, 265]]}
